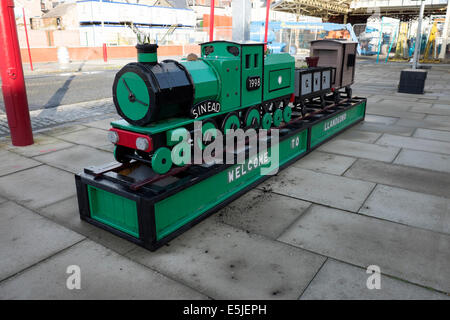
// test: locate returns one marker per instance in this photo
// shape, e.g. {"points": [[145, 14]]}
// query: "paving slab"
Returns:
{"points": [[409, 207], [431, 100], [399, 97], [103, 275], [67, 214], [108, 147], [341, 281], [38, 187], [404, 104], [76, 158], [444, 99], [64, 129], [331, 190], [380, 119], [383, 128], [358, 135], [109, 240], [90, 137], [263, 213], [360, 149], [27, 238], [365, 92], [438, 118], [426, 124], [104, 124], [414, 143], [432, 110], [432, 134], [392, 111], [445, 106], [373, 99], [414, 179], [415, 255], [400, 103], [228, 263], [325, 162], [424, 160], [42, 145], [11, 162]]}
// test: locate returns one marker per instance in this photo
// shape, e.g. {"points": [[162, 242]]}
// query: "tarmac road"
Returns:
{"points": [[50, 90]]}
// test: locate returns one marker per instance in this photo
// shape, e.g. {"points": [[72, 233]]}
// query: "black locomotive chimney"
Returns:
{"points": [[147, 53]]}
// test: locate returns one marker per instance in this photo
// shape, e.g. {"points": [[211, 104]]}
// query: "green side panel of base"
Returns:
{"points": [[325, 129], [177, 210], [113, 210]]}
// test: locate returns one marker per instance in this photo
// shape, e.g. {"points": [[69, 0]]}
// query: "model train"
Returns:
{"points": [[232, 85]]}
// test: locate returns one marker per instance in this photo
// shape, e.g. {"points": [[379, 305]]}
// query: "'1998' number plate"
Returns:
{"points": [[253, 83]]}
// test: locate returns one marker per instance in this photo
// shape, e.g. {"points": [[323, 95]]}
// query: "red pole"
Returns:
{"points": [[26, 35], [105, 53], [13, 83], [211, 22], [267, 25]]}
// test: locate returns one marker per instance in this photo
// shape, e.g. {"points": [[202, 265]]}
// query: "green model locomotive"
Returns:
{"points": [[232, 85]]}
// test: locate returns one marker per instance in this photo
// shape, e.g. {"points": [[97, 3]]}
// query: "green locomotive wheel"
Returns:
{"points": [[209, 130], [277, 117], [162, 160], [287, 114], [252, 118], [120, 153], [266, 121], [231, 122]]}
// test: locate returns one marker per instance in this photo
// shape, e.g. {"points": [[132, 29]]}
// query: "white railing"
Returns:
{"points": [[117, 12], [393, 3]]}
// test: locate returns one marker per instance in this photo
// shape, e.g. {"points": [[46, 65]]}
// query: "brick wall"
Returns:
{"points": [[96, 53]]}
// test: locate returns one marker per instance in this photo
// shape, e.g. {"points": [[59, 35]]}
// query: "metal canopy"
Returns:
{"points": [[320, 8], [326, 8], [402, 13]]}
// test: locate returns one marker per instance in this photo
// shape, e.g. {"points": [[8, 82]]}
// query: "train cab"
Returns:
{"points": [[240, 65]]}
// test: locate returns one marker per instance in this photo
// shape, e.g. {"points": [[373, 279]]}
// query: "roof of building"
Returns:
{"points": [[179, 4], [60, 10]]}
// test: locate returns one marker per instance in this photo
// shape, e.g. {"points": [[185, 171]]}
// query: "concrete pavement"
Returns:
{"points": [[379, 194]]}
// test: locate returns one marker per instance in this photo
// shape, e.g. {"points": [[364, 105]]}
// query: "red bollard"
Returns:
{"points": [[28, 42], [105, 53], [266, 27], [13, 83], [211, 21]]}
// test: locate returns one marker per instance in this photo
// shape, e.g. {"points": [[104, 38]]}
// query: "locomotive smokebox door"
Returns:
{"points": [[147, 91], [338, 54]]}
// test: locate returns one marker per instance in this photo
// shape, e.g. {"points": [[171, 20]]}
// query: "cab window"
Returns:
{"points": [[247, 61]]}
